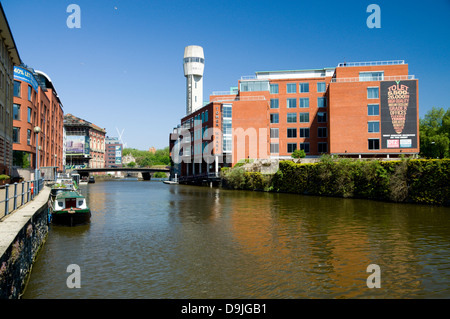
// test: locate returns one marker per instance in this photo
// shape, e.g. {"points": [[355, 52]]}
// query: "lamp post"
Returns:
{"points": [[36, 130]]}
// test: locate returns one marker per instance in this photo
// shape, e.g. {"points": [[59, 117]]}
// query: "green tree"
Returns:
{"points": [[435, 133], [298, 154]]}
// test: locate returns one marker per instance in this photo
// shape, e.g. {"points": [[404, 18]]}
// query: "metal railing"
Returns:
{"points": [[242, 98], [224, 93], [248, 77], [18, 194], [369, 63], [375, 78]]}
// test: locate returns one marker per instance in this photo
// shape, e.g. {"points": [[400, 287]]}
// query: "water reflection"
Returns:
{"points": [[151, 240]]}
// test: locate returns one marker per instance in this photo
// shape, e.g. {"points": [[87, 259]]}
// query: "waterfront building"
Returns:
{"points": [[9, 57], [113, 152], [37, 113], [361, 109], [85, 143]]}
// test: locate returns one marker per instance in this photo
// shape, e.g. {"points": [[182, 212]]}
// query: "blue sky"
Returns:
{"points": [[123, 71]]}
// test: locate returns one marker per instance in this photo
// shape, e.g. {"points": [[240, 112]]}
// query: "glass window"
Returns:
{"points": [[274, 133], [292, 117], [17, 88], [252, 86], [371, 76], [321, 102], [321, 132], [374, 144], [291, 147], [226, 126], [29, 115], [304, 117], [16, 111], [291, 103], [304, 132], [274, 118], [321, 87], [274, 103], [226, 111], [291, 88], [16, 135], [29, 93], [303, 88], [227, 144], [274, 88], [274, 148], [322, 147], [373, 109], [372, 93], [304, 102], [321, 117], [291, 132], [374, 127], [305, 147], [206, 116], [28, 137]]}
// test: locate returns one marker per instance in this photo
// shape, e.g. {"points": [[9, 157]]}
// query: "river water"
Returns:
{"points": [[152, 240]]}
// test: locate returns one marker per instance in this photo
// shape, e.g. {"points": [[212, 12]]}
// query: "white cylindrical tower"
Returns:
{"points": [[193, 64]]}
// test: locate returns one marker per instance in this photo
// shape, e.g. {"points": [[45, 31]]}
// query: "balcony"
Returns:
{"points": [[379, 78], [371, 63]]}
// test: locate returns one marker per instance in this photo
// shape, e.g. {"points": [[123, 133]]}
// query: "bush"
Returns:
{"points": [[4, 177], [417, 181], [298, 154]]}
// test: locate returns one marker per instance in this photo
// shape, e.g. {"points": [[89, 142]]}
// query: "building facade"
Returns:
{"points": [[37, 114], [9, 57], [113, 152], [362, 109], [85, 143]]}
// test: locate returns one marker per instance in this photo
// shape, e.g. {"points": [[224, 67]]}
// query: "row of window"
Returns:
{"points": [[303, 132], [302, 118], [16, 135], [16, 113], [303, 102], [303, 87], [322, 147], [18, 93]]}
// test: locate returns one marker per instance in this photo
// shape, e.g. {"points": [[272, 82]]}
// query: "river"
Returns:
{"points": [[152, 240]]}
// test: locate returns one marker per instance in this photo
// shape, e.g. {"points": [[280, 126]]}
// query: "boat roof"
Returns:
{"points": [[69, 194]]}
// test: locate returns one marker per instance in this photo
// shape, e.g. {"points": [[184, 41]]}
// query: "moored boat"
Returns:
{"points": [[70, 208]]}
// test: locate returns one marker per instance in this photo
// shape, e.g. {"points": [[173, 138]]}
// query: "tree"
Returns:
{"points": [[435, 133], [131, 164], [298, 154]]}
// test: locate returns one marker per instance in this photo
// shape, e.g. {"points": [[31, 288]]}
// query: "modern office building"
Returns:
{"points": [[113, 152], [362, 109], [37, 114], [85, 143], [9, 57]]}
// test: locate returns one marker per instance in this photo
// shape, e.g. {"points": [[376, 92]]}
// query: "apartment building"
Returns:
{"points": [[360, 109]]}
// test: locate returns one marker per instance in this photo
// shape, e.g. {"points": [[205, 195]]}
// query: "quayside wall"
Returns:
{"points": [[22, 233]]}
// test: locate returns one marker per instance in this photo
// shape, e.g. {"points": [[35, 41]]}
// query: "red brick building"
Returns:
{"points": [[366, 109], [37, 105]]}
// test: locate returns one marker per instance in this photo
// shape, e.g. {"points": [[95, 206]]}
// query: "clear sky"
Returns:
{"points": [[123, 70]]}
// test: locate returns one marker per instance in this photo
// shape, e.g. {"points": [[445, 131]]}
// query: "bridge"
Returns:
{"points": [[146, 171]]}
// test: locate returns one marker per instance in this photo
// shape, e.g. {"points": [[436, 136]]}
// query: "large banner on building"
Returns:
{"points": [[398, 112], [25, 76], [77, 145]]}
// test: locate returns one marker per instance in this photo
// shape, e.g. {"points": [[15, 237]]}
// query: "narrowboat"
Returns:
{"points": [[70, 208]]}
